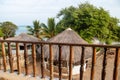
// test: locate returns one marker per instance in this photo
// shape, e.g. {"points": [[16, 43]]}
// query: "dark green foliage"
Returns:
{"points": [[118, 33], [49, 30], [8, 29], [89, 22], [67, 19], [35, 30], [1, 33]]}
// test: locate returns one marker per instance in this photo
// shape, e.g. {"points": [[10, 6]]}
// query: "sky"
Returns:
{"points": [[24, 12]]}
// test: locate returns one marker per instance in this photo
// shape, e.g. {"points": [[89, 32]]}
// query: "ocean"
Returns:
{"points": [[21, 29]]}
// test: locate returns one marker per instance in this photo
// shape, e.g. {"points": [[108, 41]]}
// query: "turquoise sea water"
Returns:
{"points": [[21, 29]]}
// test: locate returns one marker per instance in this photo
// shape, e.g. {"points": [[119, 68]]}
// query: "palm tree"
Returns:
{"points": [[35, 29], [49, 30]]}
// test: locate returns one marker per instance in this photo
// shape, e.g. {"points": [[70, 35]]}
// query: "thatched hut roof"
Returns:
{"points": [[68, 36], [24, 37]]}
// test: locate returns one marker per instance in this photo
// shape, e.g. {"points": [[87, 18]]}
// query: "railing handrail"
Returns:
{"points": [[57, 43]]}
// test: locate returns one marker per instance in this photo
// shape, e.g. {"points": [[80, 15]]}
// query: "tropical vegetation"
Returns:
{"points": [[42, 30], [7, 29], [35, 30], [49, 30], [89, 22]]}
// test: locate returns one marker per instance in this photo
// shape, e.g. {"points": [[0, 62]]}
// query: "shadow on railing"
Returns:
{"points": [[16, 53]]}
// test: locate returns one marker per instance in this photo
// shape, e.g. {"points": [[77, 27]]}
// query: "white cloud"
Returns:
{"points": [[24, 12]]}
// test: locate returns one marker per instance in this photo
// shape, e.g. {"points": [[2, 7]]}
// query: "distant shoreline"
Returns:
{"points": [[21, 29]]}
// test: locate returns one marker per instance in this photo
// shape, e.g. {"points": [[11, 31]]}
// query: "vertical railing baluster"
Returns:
{"points": [[4, 56], [34, 60], [18, 58], [71, 58], [51, 62], [60, 64], [116, 63], [82, 63], [0, 64], [104, 64], [42, 62], [93, 63], [26, 58], [10, 58]]}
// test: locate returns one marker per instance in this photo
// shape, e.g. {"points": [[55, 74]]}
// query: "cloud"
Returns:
{"points": [[24, 12], [31, 9], [31, 5]]}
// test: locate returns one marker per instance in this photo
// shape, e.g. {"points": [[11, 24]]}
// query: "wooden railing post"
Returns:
{"points": [[4, 56], [93, 63], [71, 59], [26, 58], [116, 63], [10, 57], [82, 63], [51, 62], [18, 58], [42, 62], [60, 64], [0, 63], [34, 60], [104, 64]]}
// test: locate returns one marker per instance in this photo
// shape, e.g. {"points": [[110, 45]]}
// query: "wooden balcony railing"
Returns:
{"points": [[6, 43]]}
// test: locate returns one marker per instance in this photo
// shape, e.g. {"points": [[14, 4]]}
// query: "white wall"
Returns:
{"points": [[76, 69]]}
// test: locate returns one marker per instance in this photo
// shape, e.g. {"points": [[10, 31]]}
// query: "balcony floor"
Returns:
{"points": [[14, 76]]}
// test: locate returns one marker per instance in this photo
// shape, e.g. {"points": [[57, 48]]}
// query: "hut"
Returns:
{"points": [[24, 37], [68, 36]]}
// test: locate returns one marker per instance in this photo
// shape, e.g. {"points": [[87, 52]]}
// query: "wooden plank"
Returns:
{"points": [[3, 56], [51, 62], [18, 58], [116, 64], [60, 64], [34, 60], [104, 65], [71, 62], [26, 58], [10, 58], [42, 62], [82, 63], [93, 63]]}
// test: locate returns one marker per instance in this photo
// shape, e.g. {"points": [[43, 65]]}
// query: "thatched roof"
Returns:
{"points": [[24, 37], [68, 36]]}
